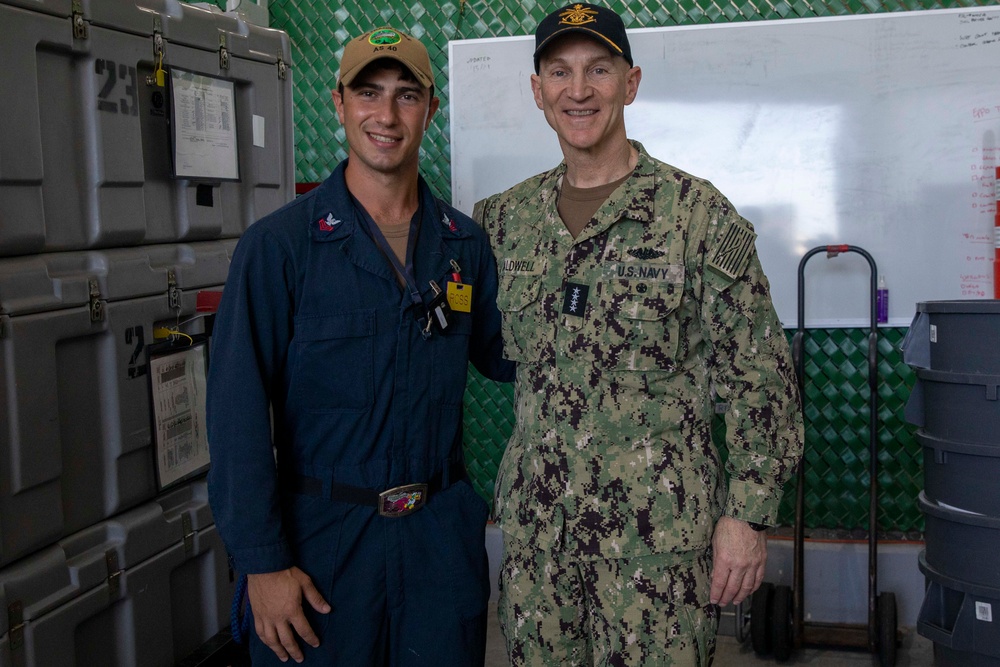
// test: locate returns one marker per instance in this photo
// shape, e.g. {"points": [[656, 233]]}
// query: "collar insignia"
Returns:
{"points": [[449, 223], [575, 299], [329, 223]]}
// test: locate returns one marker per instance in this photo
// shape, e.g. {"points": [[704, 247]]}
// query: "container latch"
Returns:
{"points": [[223, 52], [159, 46], [96, 305], [173, 294], [80, 25]]}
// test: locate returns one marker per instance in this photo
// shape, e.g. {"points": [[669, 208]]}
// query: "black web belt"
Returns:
{"points": [[395, 502]]}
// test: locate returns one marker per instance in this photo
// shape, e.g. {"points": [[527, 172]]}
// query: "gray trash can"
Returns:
{"points": [[954, 347]]}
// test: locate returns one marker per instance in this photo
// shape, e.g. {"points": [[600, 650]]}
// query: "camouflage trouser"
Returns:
{"points": [[647, 611]]}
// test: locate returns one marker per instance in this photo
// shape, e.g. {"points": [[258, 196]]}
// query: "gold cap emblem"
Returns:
{"points": [[577, 15]]}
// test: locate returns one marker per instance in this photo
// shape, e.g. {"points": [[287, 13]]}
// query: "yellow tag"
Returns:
{"points": [[161, 78], [460, 297]]}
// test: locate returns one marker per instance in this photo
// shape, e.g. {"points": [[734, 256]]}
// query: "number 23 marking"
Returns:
{"points": [[112, 73]]}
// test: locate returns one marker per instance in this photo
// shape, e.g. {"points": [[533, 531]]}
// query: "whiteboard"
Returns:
{"points": [[878, 131]]}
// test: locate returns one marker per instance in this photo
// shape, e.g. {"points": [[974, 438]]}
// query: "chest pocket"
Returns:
{"points": [[641, 328], [521, 309], [333, 369], [449, 350]]}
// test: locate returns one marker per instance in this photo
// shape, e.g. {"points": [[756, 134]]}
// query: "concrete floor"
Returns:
{"points": [[916, 651]]}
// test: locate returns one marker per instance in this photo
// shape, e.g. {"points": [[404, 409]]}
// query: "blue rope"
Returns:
{"points": [[239, 618]]}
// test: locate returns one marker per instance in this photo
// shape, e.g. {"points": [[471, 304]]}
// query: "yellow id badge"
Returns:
{"points": [[460, 297]]}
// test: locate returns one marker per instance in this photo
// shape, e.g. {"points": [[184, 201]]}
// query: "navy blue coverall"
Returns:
{"points": [[314, 332]]}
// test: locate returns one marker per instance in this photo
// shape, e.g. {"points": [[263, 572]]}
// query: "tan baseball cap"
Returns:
{"points": [[385, 42]]}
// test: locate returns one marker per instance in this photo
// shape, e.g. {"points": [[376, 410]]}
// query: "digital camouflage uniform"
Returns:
{"points": [[626, 338]]}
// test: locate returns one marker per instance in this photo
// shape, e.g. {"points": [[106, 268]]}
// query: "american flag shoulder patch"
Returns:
{"points": [[731, 257]]}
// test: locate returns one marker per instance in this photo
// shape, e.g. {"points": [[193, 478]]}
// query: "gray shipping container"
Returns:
{"points": [[85, 154], [147, 587], [76, 447]]}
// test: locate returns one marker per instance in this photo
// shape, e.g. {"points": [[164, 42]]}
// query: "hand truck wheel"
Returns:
{"points": [[887, 626], [781, 623], [760, 619]]}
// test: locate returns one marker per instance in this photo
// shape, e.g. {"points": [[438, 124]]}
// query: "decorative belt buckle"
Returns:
{"points": [[402, 500]]}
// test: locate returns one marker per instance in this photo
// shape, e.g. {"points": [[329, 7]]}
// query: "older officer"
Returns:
{"points": [[338, 370], [633, 302]]}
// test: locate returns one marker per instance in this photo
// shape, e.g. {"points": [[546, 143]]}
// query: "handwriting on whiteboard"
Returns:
{"points": [[982, 191], [478, 63], [979, 39], [975, 279], [977, 17], [985, 112], [984, 29], [976, 285]]}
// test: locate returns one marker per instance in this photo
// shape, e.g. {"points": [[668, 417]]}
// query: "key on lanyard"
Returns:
{"points": [[438, 311]]}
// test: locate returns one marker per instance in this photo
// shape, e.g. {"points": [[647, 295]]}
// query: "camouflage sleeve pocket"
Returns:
{"points": [[519, 304]]}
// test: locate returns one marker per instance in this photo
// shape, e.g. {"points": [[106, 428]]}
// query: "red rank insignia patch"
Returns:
{"points": [[328, 224]]}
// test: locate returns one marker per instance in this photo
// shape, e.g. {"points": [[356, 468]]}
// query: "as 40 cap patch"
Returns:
{"points": [[385, 42]]}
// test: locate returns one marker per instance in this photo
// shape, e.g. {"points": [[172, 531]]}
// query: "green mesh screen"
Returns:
{"points": [[837, 420]]}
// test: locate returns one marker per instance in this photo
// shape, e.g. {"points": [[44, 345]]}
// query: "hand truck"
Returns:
{"points": [[776, 612]]}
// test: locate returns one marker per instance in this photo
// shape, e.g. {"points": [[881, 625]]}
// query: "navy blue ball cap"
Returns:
{"points": [[599, 23]]}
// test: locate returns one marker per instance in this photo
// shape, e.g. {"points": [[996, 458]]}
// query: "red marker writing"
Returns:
{"points": [[996, 239]]}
